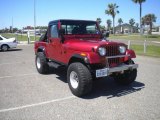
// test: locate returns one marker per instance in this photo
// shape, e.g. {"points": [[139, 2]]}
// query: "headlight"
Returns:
{"points": [[102, 51], [122, 49]]}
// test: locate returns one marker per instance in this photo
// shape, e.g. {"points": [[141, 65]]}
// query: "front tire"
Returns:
{"points": [[41, 63], [79, 79], [4, 48]]}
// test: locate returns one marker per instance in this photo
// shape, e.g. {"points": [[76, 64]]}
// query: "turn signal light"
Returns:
{"points": [[83, 54]]}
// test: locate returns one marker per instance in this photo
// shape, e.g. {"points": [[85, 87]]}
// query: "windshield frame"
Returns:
{"points": [[70, 25]]}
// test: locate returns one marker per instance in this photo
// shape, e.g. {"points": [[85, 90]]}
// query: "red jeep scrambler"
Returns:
{"points": [[79, 45]]}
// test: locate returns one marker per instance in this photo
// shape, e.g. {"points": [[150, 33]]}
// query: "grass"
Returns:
{"points": [[136, 37], [151, 50], [19, 37]]}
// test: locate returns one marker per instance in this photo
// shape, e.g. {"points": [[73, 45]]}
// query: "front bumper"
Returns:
{"points": [[107, 71]]}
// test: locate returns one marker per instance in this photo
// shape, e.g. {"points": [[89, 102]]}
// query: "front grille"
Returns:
{"points": [[112, 50]]}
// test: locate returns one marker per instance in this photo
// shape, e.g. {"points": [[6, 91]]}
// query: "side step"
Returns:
{"points": [[54, 64]]}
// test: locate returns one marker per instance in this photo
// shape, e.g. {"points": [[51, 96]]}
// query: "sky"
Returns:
{"points": [[21, 12]]}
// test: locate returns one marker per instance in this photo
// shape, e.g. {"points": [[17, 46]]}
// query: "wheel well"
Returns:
{"points": [[6, 45], [41, 49], [75, 59]]}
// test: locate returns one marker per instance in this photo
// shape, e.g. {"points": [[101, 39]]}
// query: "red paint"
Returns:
{"points": [[131, 54]]}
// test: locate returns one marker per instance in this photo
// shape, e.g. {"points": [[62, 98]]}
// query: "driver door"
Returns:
{"points": [[54, 43]]}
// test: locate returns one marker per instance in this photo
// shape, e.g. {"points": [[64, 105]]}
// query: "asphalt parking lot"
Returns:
{"points": [[27, 95]]}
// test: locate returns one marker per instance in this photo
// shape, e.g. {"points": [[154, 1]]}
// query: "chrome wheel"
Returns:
{"points": [[74, 79], [38, 63]]}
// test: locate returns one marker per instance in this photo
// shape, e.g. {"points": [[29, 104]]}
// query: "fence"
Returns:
{"points": [[144, 45]]}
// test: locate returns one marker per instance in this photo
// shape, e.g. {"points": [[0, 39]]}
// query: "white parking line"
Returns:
{"points": [[36, 104], [19, 75]]}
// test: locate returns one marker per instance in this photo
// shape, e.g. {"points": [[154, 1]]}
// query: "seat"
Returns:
{"points": [[75, 30]]}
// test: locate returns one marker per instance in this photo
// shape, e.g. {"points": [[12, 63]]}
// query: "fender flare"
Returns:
{"points": [[78, 58], [41, 49]]}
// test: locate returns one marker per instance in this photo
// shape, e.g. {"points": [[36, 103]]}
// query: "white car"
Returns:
{"points": [[7, 43]]}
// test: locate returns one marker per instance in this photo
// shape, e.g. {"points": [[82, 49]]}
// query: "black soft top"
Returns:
{"points": [[70, 20]]}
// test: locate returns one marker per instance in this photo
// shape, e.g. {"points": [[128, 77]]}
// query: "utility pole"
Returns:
{"points": [[34, 20]]}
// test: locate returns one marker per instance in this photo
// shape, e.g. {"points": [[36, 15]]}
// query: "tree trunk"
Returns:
{"points": [[113, 26], [131, 29], [150, 31]]}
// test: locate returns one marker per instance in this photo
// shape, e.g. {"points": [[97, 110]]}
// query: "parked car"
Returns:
{"points": [[79, 46], [7, 43]]}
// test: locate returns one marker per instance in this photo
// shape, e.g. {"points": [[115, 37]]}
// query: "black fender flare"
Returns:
{"points": [[41, 49], [78, 58]]}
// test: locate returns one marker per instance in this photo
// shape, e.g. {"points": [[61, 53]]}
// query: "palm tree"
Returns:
{"points": [[120, 21], [137, 25], [112, 10], [109, 22], [148, 20], [99, 20], [132, 22], [140, 11]]}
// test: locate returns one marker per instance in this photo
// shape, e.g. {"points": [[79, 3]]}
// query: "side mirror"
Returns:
{"points": [[61, 33]]}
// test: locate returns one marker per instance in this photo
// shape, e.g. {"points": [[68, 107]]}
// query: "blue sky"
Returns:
{"points": [[46, 10]]}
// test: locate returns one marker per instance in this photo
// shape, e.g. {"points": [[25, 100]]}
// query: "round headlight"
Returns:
{"points": [[102, 51], [122, 49]]}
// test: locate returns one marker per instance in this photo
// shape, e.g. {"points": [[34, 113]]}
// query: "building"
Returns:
{"points": [[32, 32], [126, 28]]}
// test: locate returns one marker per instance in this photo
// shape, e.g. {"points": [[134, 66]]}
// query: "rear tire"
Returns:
{"points": [[4, 48], [41, 63], [79, 79]]}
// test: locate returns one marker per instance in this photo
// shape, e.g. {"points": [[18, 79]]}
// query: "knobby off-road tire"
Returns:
{"points": [[127, 77], [41, 63], [79, 79]]}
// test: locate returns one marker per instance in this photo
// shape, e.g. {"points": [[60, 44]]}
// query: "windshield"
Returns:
{"points": [[79, 27]]}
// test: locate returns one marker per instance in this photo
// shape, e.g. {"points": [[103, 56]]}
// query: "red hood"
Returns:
{"points": [[87, 45]]}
